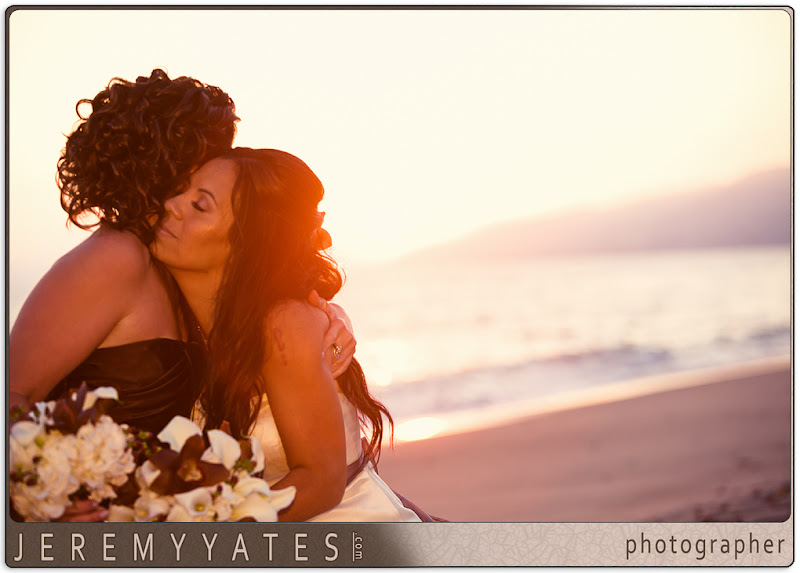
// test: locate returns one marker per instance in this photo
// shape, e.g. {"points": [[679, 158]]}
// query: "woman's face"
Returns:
{"points": [[193, 236]]}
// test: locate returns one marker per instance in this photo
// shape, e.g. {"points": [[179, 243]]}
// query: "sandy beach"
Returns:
{"points": [[717, 448]]}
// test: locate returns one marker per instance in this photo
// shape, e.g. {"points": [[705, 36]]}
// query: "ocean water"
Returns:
{"points": [[470, 340], [447, 338]]}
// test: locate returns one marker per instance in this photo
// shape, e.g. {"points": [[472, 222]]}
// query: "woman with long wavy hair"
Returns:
{"points": [[244, 244]]}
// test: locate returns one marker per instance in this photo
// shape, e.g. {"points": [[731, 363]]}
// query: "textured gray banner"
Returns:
{"points": [[375, 545], [201, 545], [581, 544]]}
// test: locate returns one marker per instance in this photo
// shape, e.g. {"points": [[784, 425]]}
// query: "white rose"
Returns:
{"points": [[114, 433], [34, 503], [121, 514], [125, 465], [104, 459], [21, 457], [23, 503], [53, 509], [55, 467]]}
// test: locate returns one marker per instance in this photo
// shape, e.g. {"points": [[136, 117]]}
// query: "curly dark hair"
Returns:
{"points": [[274, 256], [138, 146]]}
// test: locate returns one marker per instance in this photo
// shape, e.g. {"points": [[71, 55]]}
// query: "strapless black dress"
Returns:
{"points": [[156, 380]]}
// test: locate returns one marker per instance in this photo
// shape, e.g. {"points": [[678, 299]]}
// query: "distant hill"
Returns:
{"points": [[753, 211]]}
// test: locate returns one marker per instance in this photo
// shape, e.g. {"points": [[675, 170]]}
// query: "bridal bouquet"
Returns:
{"points": [[203, 478], [70, 449], [66, 450]]}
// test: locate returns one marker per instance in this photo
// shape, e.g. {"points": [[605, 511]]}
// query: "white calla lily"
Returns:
{"points": [[45, 409], [248, 485], [178, 513], [278, 499], [88, 401], [196, 502], [149, 472], [225, 446], [101, 392], [210, 457], [150, 507], [282, 498], [226, 492], [106, 392], [223, 511], [258, 454], [224, 502], [178, 431], [257, 506], [25, 432]]}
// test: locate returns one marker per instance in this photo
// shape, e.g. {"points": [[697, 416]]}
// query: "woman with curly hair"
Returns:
{"points": [[243, 243], [106, 313]]}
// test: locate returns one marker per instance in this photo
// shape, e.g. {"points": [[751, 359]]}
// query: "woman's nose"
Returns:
{"points": [[173, 206]]}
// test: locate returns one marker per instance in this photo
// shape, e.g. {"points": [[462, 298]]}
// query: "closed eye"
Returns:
{"points": [[197, 206]]}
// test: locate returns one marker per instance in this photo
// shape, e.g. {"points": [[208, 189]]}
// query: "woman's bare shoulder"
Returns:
{"points": [[121, 243], [295, 315], [119, 253], [295, 327]]}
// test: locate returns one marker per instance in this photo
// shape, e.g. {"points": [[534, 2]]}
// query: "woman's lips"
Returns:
{"points": [[164, 232]]}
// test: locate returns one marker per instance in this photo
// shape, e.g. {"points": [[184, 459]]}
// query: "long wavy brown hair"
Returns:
{"points": [[274, 256], [138, 145]]}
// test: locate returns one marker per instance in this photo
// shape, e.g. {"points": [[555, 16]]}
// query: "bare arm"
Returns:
{"points": [[302, 395], [72, 310]]}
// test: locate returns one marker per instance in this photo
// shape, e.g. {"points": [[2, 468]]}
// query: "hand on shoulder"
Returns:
{"points": [[339, 338]]}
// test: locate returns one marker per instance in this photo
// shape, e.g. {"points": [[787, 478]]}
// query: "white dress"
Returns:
{"points": [[366, 498]]}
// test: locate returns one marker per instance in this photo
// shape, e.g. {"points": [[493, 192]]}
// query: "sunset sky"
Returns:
{"points": [[423, 125]]}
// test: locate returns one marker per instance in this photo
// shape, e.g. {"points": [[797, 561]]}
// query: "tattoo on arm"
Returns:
{"points": [[278, 336]]}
